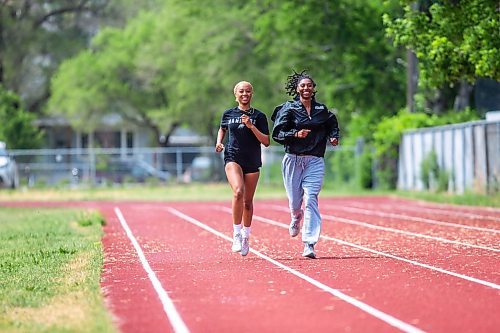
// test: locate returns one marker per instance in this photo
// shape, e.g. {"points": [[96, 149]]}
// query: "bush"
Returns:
{"points": [[17, 128], [429, 170], [365, 165], [342, 166]]}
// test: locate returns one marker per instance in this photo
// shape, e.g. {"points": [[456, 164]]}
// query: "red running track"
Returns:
{"points": [[387, 267]]}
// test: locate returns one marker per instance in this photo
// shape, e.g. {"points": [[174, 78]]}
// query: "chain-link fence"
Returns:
{"points": [[108, 167]]}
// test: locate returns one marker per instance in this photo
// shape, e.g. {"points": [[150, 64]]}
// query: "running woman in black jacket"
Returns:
{"points": [[247, 129], [304, 126]]}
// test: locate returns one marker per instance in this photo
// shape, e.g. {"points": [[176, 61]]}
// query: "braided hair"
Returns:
{"points": [[293, 81]]}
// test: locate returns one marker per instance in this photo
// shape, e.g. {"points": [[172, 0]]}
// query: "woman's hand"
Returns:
{"points": [[246, 120], [219, 147], [302, 133]]}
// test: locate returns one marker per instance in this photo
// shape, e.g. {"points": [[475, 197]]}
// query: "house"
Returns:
{"points": [[123, 150], [113, 133]]}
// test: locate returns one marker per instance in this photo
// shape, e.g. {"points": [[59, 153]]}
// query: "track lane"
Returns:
{"points": [[459, 235], [409, 293], [220, 291], [479, 216], [129, 294], [477, 263], [398, 284], [419, 215], [332, 320]]}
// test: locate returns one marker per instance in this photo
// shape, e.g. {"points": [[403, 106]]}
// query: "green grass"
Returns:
{"points": [[51, 260], [169, 192], [222, 192]]}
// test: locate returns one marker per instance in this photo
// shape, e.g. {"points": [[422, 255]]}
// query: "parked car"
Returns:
{"points": [[9, 175], [206, 168], [131, 170]]}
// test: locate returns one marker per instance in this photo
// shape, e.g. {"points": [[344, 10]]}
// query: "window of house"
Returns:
{"points": [[85, 140]]}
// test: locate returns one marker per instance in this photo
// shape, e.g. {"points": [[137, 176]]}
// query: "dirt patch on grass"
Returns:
{"points": [[69, 311], [73, 309]]}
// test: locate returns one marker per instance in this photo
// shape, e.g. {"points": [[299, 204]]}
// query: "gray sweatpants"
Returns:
{"points": [[303, 179]]}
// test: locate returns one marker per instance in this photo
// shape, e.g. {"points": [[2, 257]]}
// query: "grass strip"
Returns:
{"points": [[222, 192], [50, 267]]}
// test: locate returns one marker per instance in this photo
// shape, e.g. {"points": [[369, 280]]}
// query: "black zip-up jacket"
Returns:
{"points": [[290, 117]]}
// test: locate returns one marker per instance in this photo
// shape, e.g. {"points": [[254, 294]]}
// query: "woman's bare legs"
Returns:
{"points": [[236, 181], [243, 186], [251, 180]]}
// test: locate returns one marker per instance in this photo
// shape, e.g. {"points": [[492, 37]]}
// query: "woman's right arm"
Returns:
{"points": [[283, 129], [220, 136]]}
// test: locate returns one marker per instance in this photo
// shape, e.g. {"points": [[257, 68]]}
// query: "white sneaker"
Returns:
{"points": [[236, 243], [294, 227], [309, 251], [245, 246]]}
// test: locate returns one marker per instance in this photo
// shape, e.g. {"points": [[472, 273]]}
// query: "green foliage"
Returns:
{"points": [[36, 35], [388, 132], [429, 170], [165, 67], [453, 40], [343, 47], [17, 128], [342, 164], [362, 126], [89, 218], [365, 166], [387, 137], [351, 168], [443, 180], [178, 64]]}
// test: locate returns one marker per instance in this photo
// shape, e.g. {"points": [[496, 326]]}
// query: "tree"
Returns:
{"points": [[177, 65], [165, 68], [36, 36], [456, 42], [342, 44], [17, 128], [111, 78]]}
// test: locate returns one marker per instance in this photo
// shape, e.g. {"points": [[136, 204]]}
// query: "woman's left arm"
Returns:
{"points": [[332, 126], [260, 129]]}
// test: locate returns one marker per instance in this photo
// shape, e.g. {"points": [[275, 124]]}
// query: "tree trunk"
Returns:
{"points": [[164, 138], [411, 80], [463, 97]]}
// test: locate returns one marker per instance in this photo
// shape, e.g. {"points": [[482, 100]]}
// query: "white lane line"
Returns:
{"points": [[168, 306], [405, 327], [409, 218], [367, 249], [398, 231]]}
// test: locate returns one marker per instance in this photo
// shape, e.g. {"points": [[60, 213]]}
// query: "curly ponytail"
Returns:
{"points": [[293, 80]]}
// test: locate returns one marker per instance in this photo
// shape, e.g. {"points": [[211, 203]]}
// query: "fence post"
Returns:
{"points": [[178, 164], [358, 151]]}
